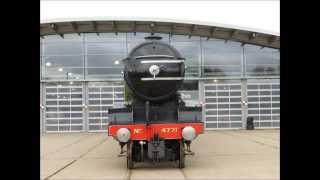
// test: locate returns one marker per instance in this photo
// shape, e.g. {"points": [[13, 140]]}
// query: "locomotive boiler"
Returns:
{"points": [[156, 124]]}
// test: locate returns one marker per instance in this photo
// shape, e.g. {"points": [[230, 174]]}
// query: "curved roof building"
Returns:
{"points": [[233, 71]]}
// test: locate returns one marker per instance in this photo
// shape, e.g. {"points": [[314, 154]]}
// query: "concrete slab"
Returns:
{"points": [[108, 149], [101, 162], [49, 166], [234, 155], [226, 142], [77, 149], [232, 167], [219, 155], [94, 168], [58, 154], [269, 138], [157, 172], [53, 142]]}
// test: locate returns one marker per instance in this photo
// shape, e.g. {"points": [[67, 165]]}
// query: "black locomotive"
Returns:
{"points": [[155, 124]]}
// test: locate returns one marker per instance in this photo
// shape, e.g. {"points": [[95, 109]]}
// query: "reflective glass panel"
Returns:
{"points": [[221, 58], [262, 61]]}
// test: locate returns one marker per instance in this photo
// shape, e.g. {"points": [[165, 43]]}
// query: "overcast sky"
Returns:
{"points": [[262, 15]]}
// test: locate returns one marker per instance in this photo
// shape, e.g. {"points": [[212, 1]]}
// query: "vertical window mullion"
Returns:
{"points": [[70, 106], [100, 107], [217, 102], [58, 108], [85, 59], [229, 109]]}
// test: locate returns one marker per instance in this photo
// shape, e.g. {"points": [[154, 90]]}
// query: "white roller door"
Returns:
{"points": [[264, 102], [223, 104], [64, 107], [101, 97]]}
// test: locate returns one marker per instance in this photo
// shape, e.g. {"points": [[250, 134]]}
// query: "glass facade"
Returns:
{"points": [[191, 50], [261, 61], [63, 58], [221, 58], [80, 75], [91, 56], [104, 54]]}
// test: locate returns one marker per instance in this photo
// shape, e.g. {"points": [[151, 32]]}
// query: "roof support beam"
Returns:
{"points": [[252, 35], [94, 27], [193, 28], [114, 27], [134, 27], [54, 27], [171, 30], [233, 33], [212, 31], [152, 27], [75, 27], [272, 39]]}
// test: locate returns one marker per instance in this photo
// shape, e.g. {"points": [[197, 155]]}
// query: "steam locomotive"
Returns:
{"points": [[155, 124]]}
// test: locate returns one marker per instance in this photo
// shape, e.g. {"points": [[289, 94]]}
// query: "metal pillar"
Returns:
{"points": [[43, 108], [244, 104], [202, 99], [244, 92], [85, 93]]}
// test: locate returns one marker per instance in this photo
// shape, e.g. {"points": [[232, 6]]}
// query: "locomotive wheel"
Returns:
{"points": [[181, 155], [129, 155]]}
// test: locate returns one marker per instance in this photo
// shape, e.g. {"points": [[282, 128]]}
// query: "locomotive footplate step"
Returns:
{"points": [[123, 154], [188, 152], [122, 151]]}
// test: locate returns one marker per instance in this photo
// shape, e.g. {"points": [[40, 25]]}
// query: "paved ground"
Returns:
{"points": [[219, 155]]}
